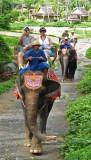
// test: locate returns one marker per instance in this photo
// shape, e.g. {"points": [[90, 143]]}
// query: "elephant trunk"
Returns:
{"points": [[31, 101]]}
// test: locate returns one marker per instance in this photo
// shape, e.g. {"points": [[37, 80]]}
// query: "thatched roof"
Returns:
{"points": [[80, 11], [45, 11]]}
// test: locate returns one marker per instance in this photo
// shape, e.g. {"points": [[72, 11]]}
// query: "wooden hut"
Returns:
{"points": [[45, 13], [72, 18], [81, 13]]}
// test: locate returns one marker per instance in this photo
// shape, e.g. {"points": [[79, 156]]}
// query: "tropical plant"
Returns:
{"points": [[5, 52]]}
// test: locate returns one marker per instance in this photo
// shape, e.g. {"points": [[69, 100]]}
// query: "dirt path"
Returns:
{"points": [[12, 121]]}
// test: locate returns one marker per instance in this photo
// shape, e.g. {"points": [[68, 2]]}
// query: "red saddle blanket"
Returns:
{"points": [[52, 76]]}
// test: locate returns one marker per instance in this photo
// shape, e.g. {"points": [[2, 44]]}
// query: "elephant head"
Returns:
{"points": [[36, 95]]}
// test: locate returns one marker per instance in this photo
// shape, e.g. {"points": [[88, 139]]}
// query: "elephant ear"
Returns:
{"points": [[33, 80]]}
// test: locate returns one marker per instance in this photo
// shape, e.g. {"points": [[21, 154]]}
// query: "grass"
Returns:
{"points": [[20, 25], [79, 138], [82, 33], [83, 24], [6, 85], [77, 144], [10, 40]]}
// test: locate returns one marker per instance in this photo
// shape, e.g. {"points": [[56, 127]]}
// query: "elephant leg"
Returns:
{"points": [[36, 146], [62, 66], [43, 116], [44, 125], [65, 64], [28, 134], [42, 119], [27, 138]]}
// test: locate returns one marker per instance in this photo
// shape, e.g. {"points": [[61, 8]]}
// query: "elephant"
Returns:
{"points": [[64, 62], [38, 95]]}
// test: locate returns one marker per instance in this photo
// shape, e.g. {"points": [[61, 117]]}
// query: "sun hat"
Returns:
{"points": [[35, 43]]}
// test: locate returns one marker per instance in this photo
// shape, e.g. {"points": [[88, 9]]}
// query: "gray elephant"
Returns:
{"points": [[38, 95], [64, 56]]}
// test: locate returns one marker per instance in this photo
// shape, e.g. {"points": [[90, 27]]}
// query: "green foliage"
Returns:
{"points": [[5, 52], [82, 33], [77, 144], [79, 138], [83, 24], [21, 18], [88, 53], [6, 6], [11, 41], [5, 86], [14, 14], [81, 154], [84, 85], [4, 21], [61, 8], [89, 18]]}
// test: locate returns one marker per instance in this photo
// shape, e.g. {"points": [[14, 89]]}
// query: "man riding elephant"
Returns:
{"points": [[37, 59]]}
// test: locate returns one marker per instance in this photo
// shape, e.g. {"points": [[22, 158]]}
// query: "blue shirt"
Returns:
{"points": [[67, 45], [36, 64], [32, 53]]}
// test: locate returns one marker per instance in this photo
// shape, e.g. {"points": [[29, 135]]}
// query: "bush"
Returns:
{"points": [[4, 22], [77, 144], [84, 85], [21, 18], [88, 53], [11, 41], [81, 154], [5, 52], [13, 15]]}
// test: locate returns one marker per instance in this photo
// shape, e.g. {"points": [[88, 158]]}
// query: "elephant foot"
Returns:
{"points": [[36, 146], [49, 138], [27, 143]]}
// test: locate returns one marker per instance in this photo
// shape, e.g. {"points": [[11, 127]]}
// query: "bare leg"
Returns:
{"points": [[20, 59]]}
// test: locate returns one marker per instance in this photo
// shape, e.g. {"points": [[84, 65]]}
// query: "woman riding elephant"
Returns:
{"points": [[47, 45], [38, 95]]}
